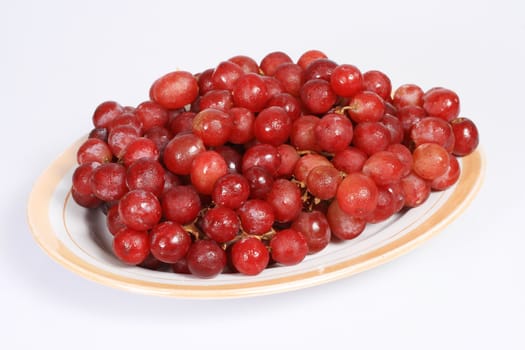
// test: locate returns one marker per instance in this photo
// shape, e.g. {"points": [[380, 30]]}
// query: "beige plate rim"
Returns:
{"points": [[470, 182]]}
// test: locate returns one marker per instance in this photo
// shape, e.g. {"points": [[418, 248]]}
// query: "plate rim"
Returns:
{"points": [[468, 186]]}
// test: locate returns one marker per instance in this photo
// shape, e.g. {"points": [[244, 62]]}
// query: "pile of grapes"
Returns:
{"points": [[249, 165]]}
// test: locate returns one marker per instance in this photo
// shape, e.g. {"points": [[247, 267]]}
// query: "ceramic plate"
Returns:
{"points": [[77, 239]]}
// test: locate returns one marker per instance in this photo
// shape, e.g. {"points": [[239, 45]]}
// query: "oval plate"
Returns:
{"points": [[77, 239]]}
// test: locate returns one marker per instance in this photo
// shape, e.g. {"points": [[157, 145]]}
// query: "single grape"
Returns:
{"points": [[247, 64], [94, 150], [205, 258], [105, 113], [256, 216], [175, 89], [131, 246], [371, 137], [346, 80], [139, 210], [366, 106], [113, 221], [430, 161], [466, 136], [146, 174], [212, 126], [342, 225], [378, 82], [204, 81], [307, 57], [272, 126], [108, 181], [433, 130], [384, 168], [289, 158], [442, 103], [99, 133], [250, 92], [169, 242], [260, 181], [181, 204], [231, 190], [220, 224], [322, 181], [249, 256], [315, 229], [317, 96], [207, 168], [285, 198], [291, 76], [242, 125], [180, 153], [350, 160], [225, 75], [415, 189], [216, 99], [288, 247], [302, 135], [333, 132], [321, 68], [140, 148], [271, 61], [408, 95], [263, 155], [357, 195], [151, 114]]}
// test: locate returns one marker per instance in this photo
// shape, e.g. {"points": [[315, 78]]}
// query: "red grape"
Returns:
{"points": [[94, 150], [131, 246], [442, 103], [169, 242], [139, 210], [357, 195], [342, 225], [285, 198], [271, 61], [181, 204], [333, 132], [288, 247], [220, 224], [315, 229], [430, 161], [205, 258], [249, 256], [466, 136], [231, 190], [175, 89], [346, 80], [256, 216]]}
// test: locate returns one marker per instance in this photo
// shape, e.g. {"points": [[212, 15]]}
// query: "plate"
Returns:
{"points": [[77, 239]]}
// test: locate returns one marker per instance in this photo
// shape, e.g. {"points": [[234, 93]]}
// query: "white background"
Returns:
{"points": [[464, 288]]}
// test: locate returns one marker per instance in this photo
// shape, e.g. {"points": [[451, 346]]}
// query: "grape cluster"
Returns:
{"points": [[248, 165]]}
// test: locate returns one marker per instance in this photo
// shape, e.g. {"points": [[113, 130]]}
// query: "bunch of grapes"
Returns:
{"points": [[248, 165]]}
